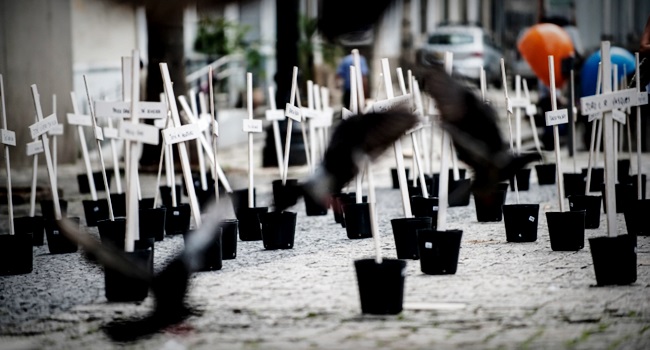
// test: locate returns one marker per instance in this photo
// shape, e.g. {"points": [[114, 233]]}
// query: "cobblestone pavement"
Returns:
{"points": [[504, 295]]}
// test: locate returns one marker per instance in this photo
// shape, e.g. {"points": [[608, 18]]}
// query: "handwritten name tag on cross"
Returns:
{"points": [[642, 98], [111, 133], [609, 101], [41, 127], [384, 106], [293, 112], [34, 147], [148, 109], [274, 114], [139, 132], [79, 119], [180, 134], [252, 125], [619, 116], [56, 130], [8, 137], [561, 116], [595, 116]]}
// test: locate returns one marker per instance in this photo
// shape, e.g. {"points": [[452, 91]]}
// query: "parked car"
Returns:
{"points": [[472, 48]]}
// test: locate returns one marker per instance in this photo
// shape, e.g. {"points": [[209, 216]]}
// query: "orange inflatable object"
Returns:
{"points": [[540, 41]]}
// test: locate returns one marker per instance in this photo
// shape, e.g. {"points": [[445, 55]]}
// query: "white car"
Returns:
{"points": [[472, 49]]}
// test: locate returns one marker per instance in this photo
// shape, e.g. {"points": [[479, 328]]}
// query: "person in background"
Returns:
{"points": [[343, 77]]}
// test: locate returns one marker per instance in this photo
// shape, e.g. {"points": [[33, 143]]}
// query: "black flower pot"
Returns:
{"points": [[381, 286], [625, 195], [357, 220], [623, 168], [113, 232], [489, 205], [57, 242], [177, 219], [98, 178], [635, 219], [591, 206], [574, 183], [278, 229], [146, 203], [546, 173], [405, 234], [393, 174], [239, 199], [523, 179], [122, 288], [118, 201], [414, 190], [349, 198], [213, 258], [314, 208], [250, 224], [152, 222], [521, 221], [597, 178], [166, 195], [614, 259], [425, 207], [229, 239], [439, 251], [31, 224], [47, 209], [633, 181], [16, 254], [336, 207], [566, 230], [283, 195], [95, 211]]}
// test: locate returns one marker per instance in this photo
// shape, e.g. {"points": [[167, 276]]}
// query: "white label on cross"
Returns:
{"points": [[79, 119], [121, 109], [310, 113], [643, 98], [519, 102], [531, 110], [595, 116], [99, 135], [293, 112], [252, 125], [34, 147], [274, 114], [8, 137], [215, 128], [560, 116], [160, 123], [508, 105], [403, 101], [428, 245], [607, 102], [111, 133], [139, 132], [39, 128], [56, 130], [322, 121], [619, 116], [346, 113], [180, 134]]}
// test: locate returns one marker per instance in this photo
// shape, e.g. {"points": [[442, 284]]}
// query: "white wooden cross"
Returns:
{"points": [[80, 121], [250, 126], [556, 117], [292, 112], [54, 132], [606, 103], [8, 139], [275, 115]]}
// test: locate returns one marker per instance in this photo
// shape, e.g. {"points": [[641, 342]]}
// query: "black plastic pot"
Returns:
{"points": [[177, 219], [381, 286], [336, 207], [523, 180], [213, 261], [57, 242], [282, 194], [614, 259], [166, 195], [623, 168], [405, 235], [597, 178], [314, 208], [278, 229], [566, 230], [425, 207], [635, 221], [591, 206], [625, 195], [152, 222], [521, 221], [250, 223], [489, 205], [357, 220], [458, 191], [31, 224], [349, 198], [546, 173], [632, 180], [98, 178], [121, 288], [439, 251], [146, 203], [118, 201], [393, 174], [16, 254], [239, 199], [574, 183], [229, 239], [114, 232], [95, 211], [47, 208]]}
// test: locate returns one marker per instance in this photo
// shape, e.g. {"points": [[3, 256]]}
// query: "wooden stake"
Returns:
{"points": [[6, 144], [556, 136]]}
